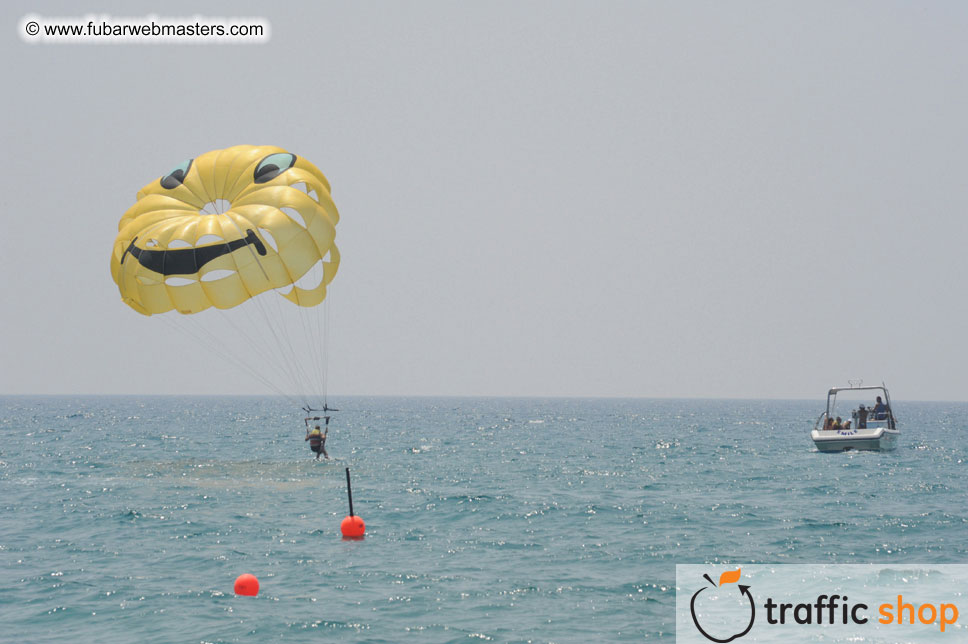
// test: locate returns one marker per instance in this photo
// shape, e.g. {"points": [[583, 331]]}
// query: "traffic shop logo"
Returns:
{"points": [[738, 623]]}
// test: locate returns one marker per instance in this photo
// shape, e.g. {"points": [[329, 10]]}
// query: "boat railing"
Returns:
{"points": [[820, 421]]}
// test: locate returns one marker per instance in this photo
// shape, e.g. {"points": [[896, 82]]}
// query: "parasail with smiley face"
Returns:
{"points": [[242, 228]]}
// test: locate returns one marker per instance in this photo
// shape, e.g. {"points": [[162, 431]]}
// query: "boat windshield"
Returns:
{"points": [[857, 407]]}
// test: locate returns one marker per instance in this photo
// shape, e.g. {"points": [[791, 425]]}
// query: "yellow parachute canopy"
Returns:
{"points": [[224, 227]]}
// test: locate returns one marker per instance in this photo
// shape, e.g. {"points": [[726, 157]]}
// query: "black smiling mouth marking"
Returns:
{"points": [[186, 261]]}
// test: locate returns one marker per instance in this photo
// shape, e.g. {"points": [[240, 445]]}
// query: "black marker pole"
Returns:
{"points": [[352, 526], [349, 490]]}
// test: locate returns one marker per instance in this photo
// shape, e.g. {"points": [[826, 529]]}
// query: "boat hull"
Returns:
{"points": [[842, 440]]}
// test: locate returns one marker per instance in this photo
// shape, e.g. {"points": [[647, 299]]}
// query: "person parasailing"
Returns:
{"points": [[317, 439]]}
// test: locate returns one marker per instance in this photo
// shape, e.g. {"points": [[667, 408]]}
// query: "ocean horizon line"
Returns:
{"points": [[282, 397]]}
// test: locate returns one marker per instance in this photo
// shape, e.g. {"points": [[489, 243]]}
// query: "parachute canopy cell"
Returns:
{"points": [[224, 227]]}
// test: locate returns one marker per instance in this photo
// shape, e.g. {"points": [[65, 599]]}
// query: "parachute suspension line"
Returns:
{"points": [[279, 331], [195, 330], [278, 362], [278, 326], [299, 346], [249, 341], [311, 325], [293, 370], [325, 334], [301, 375], [257, 346], [316, 328], [315, 331], [303, 379], [219, 347], [275, 322], [310, 348]]}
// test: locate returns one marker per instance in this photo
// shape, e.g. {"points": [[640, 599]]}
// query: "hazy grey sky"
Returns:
{"points": [[699, 199]]}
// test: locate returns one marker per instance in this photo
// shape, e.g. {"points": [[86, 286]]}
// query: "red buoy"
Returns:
{"points": [[247, 585], [352, 527]]}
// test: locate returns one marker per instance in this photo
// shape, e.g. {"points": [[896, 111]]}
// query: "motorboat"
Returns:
{"points": [[869, 428]]}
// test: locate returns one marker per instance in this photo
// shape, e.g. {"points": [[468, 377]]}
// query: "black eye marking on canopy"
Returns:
{"points": [[272, 166], [177, 176], [185, 261]]}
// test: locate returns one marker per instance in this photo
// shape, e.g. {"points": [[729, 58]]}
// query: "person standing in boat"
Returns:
{"points": [[862, 417]]}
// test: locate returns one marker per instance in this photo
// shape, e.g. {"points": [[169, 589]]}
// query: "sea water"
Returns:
{"points": [[127, 519]]}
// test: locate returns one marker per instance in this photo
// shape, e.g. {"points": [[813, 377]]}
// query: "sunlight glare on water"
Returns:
{"points": [[127, 518]]}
